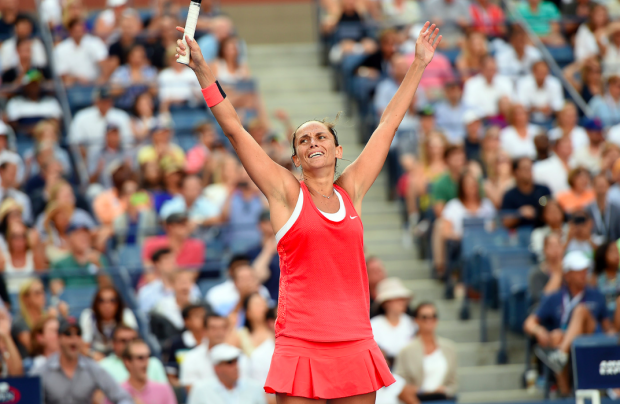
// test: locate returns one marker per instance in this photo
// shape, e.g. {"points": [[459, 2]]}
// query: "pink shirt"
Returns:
{"points": [[437, 73], [153, 393], [191, 254], [196, 158]]}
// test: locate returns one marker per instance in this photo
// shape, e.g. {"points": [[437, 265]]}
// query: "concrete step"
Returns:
{"points": [[485, 378], [485, 353], [500, 396], [469, 330]]}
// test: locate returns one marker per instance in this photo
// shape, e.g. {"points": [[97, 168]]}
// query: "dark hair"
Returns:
{"points": [[220, 52], [211, 316], [421, 305], [134, 107], [600, 257], [122, 327], [331, 126], [73, 22], [187, 177], [135, 46], [517, 162], [461, 188], [451, 149], [37, 329], [572, 175], [127, 351], [187, 310], [120, 307], [159, 254], [553, 203], [121, 175], [237, 260], [245, 305], [20, 41]]}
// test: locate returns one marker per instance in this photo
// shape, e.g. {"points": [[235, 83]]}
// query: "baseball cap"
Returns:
{"points": [[470, 116], [224, 353], [75, 226], [177, 217], [575, 261], [592, 124]]}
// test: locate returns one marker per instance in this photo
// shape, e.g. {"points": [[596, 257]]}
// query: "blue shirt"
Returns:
{"points": [[554, 307], [450, 119], [201, 210], [606, 109]]}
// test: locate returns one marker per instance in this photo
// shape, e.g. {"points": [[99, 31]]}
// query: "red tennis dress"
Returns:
{"points": [[324, 343]]}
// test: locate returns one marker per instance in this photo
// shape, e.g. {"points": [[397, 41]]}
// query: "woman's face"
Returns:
{"points": [[435, 148], [17, 238], [230, 50], [144, 105], [553, 215], [65, 195], [569, 116], [257, 308], [129, 187], [107, 304], [395, 306], [48, 134], [61, 219], [477, 44], [593, 72], [581, 182], [470, 187], [427, 319], [50, 335], [612, 257], [315, 147], [35, 298], [137, 57], [230, 170], [553, 248], [599, 16]]}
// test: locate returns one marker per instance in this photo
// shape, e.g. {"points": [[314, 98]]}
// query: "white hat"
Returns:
{"points": [[392, 288], [470, 116], [116, 3], [575, 261], [4, 129], [224, 353]]}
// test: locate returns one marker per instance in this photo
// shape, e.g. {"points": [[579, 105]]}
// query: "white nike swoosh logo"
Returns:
{"points": [[352, 217]]}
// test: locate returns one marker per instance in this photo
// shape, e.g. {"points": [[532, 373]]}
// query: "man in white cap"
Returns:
{"points": [[227, 387], [562, 316]]}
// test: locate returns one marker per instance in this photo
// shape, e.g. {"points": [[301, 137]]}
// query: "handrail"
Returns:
{"points": [[581, 103], [61, 93]]}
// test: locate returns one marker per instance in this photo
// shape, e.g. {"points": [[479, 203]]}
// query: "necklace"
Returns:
{"points": [[321, 193]]}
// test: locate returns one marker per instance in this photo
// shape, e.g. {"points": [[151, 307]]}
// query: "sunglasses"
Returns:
{"points": [[123, 340], [424, 318], [72, 333]]}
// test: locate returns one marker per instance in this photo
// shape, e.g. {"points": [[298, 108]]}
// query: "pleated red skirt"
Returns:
{"points": [[327, 370]]}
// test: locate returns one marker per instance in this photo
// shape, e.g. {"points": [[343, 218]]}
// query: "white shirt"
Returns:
{"points": [[585, 43], [613, 195], [89, 127], [16, 277], [552, 173], [224, 297], [196, 365], [212, 391], [393, 339], [10, 59], [389, 394], [484, 96], [88, 323], [178, 85], [515, 145], [509, 64], [455, 212], [21, 107], [151, 293], [260, 361], [169, 308], [578, 136], [611, 61], [530, 95], [435, 369], [584, 158], [613, 135], [80, 60]]}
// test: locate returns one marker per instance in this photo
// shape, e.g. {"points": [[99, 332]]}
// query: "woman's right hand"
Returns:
{"points": [[195, 58]]}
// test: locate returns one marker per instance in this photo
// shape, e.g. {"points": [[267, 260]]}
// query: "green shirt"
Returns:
{"points": [[75, 274], [540, 22], [444, 189], [114, 365]]}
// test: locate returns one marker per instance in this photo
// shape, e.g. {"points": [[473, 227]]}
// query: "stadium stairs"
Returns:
{"points": [[290, 77]]}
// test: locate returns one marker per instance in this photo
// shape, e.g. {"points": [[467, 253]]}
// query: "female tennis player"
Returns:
{"points": [[325, 349]]}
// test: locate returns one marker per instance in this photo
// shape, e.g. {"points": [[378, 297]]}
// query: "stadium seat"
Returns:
{"points": [[186, 119], [78, 298], [80, 97]]}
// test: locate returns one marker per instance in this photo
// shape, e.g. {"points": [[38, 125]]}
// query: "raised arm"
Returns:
{"points": [[360, 175], [273, 180]]}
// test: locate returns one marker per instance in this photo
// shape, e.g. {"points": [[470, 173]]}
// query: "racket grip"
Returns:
{"points": [[190, 29]]}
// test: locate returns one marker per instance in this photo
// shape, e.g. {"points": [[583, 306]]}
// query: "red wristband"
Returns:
{"points": [[213, 94]]}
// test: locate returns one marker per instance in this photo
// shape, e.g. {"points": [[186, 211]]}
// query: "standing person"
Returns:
{"points": [[327, 311]]}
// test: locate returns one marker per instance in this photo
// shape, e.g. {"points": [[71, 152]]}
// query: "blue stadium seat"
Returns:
{"points": [[80, 97], [78, 298], [208, 283], [563, 55], [186, 119]]}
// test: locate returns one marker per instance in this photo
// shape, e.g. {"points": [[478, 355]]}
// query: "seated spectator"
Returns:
{"points": [[105, 160], [241, 214], [606, 107], [83, 265], [43, 341], [11, 360], [188, 252], [108, 21], [196, 365], [609, 156], [177, 84], [130, 26], [590, 157], [46, 136], [574, 310], [228, 68], [23, 256], [526, 199], [32, 308], [604, 213], [343, 22], [30, 104], [444, 188], [62, 370], [488, 18], [223, 298], [81, 58], [9, 189], [9, 58], [453, 17], [473, 51], [144, 119], [516, 58], [171, 307], [473, 135], [385, 90], [590, 39], [171, 175], [450, 113], [221, 28], [194, 318], [540, 93], [122, 336], [401, 13], [88, 128], [429, 362], [580, 193], [467, 204], [553, 171], [109, 205], [99, 321], [140, 384], [499, 179], [133, 78], [392, 328], [162, 149], [256, 338], [199, 157], [518, 139], [587, 77], [543, 17], [605, 277], [553, 219], [264, 257], [225, 175], [546, 277], [160, 282], [225, 360], [611, 58], [484, 90], [375, 65], [489, 150], [436, 76], [201, 211], [567, 127]]}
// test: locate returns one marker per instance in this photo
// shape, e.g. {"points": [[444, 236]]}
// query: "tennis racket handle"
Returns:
{"points": [[190, 29]]}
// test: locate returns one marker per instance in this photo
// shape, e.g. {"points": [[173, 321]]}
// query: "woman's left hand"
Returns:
{"points": [[426, 44]]}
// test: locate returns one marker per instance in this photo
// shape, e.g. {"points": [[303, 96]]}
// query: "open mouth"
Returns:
{"points": [[316, 154]]}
